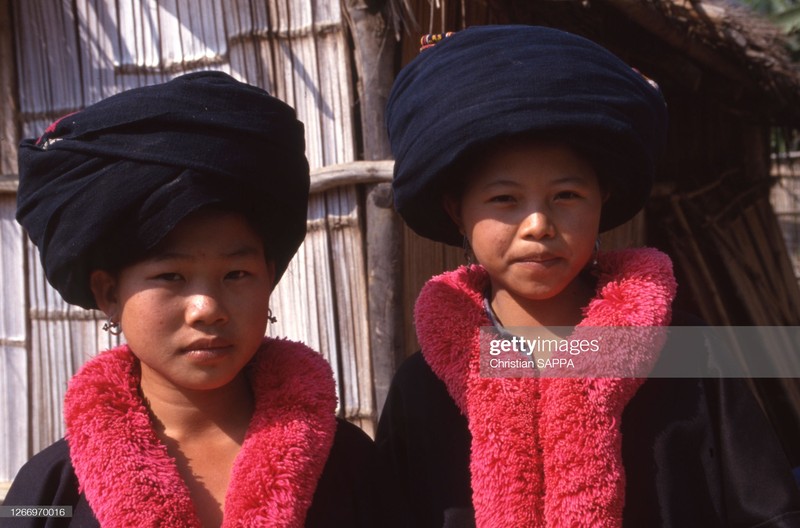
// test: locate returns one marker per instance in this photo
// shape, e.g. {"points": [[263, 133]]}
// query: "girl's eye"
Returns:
{"points": [[567, 195], [169, 277], [502, 198], [238, 274]]}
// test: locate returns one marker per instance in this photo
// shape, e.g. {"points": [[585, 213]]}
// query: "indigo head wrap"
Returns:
{"points": [[488, 82], [105, 184]]}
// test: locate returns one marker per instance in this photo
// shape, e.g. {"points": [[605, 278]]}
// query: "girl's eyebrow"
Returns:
{"points": [[502, 183], [572, 179], [569, 179], [243, 251], [163, 256]]}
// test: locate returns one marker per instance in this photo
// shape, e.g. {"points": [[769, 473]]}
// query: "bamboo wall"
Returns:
{"points": [[785, 199], [13, 353], [71, 54]]}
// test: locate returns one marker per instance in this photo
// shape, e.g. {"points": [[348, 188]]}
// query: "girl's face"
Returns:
{"points": [[195, 310], [531, 212]]}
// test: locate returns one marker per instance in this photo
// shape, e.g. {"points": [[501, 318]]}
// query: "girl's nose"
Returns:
{"points": [[205, 309], [538, 225]]}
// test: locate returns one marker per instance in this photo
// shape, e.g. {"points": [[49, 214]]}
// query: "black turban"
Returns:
{"points": [[107, 183], [488, 82]]}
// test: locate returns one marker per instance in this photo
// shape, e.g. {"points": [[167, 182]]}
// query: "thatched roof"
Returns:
{"points": [[717, 46], [730, 40]]}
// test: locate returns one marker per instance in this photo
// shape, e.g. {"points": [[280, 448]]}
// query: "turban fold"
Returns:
{"points": [[107, 183], [488, 82]]}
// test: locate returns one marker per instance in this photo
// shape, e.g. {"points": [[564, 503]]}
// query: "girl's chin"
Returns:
{"points": [[525, 297], [536, 291], [578, 290]]}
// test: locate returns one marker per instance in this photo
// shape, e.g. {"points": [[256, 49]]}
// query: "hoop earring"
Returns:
{"points": [[271, 318], [468, 255], [596, 251], [112, 327]]}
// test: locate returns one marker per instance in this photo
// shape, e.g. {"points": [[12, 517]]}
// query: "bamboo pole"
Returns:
{"points": [[352, 173], [705, 275]]}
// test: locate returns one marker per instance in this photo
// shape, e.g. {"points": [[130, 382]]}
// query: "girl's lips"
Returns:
{"points": [[207, 355], [539, 262], [208, 349], [212, 343], [538, 259]]}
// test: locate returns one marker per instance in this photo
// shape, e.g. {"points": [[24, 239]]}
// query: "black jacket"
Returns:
{"points": [[697, 453]]}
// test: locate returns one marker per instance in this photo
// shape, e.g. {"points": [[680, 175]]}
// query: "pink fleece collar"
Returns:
{"points": [[545, 452], [129, 479]]}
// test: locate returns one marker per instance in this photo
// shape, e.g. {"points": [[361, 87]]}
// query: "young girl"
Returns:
{"points": [[175, 209], [523, 143]]}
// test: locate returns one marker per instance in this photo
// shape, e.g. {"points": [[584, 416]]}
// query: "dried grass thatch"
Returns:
{"points": [[716, 44]]}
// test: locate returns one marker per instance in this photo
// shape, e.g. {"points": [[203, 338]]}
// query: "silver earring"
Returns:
{"points": [[112, 327], [467, 252], [271, 318], [596, 251]]}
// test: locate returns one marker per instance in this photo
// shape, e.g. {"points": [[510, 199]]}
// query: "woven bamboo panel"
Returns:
{"points": [[785, 199], [423, 259], [303, 292], [349, 276], [13, 358]]}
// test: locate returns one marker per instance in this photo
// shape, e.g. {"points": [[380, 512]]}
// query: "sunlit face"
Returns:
{"points": [[531, 212], [195, 310]]}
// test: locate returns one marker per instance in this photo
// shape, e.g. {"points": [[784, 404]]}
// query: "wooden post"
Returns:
{"points": [[385, 288], [375, 45]]}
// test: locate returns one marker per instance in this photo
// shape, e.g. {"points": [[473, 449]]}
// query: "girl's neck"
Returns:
{"points": [[186, 414], [565, 309], [203, 432]]}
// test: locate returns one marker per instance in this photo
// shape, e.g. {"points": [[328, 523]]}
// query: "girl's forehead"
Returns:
{"points": [[530, 160], [531, 147], [218, 231]]}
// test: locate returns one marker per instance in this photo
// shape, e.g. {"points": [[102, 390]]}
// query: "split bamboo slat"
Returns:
{"points": [[349, 270], [423, 259], [304, 292], [750, 254], [71, 54], [743, 248], [695, 266], [765, 269], [13, 355], [49, 369], [785, 199]]}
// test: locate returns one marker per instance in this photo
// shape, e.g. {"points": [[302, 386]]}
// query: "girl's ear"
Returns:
{"points": [[104, 289], [453, 208]]}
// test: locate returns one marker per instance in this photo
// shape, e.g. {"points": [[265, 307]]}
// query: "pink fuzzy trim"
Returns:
{"points": [[546, 452], [129, 479]]}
